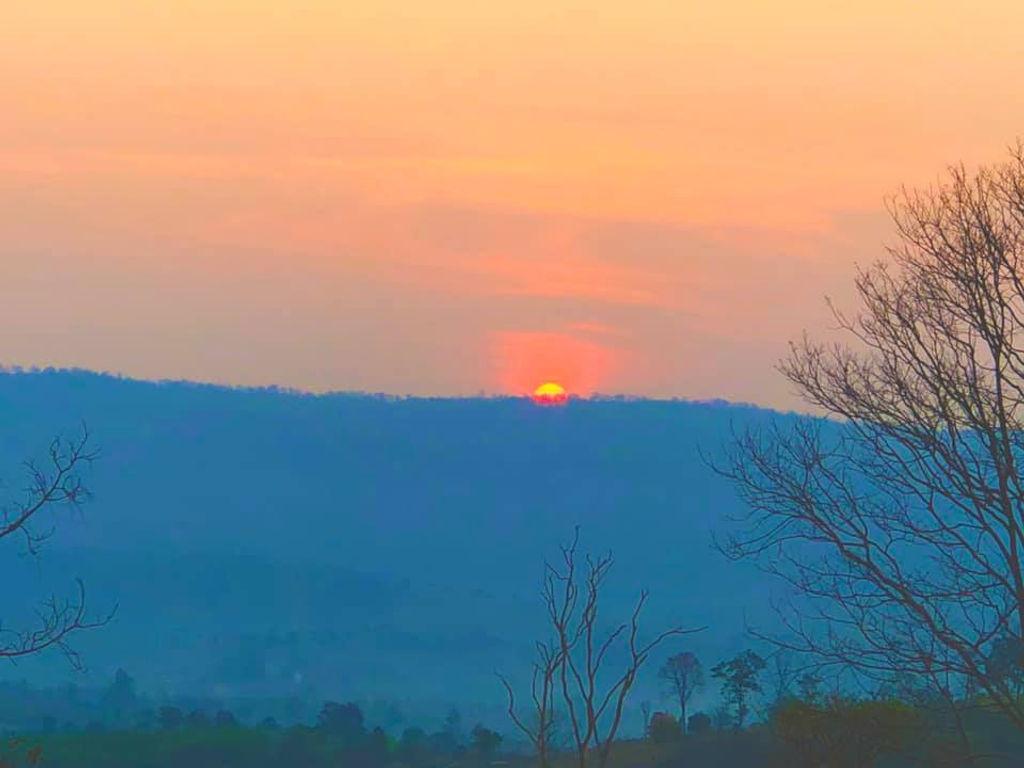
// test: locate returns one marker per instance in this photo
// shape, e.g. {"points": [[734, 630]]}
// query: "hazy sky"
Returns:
{"points": [[457, 196]]}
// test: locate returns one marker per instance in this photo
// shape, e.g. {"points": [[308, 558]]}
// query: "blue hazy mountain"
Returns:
{"points": [[268, 543]]}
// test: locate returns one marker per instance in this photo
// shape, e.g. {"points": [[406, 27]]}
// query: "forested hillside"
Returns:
{"points": [[267, 543]]}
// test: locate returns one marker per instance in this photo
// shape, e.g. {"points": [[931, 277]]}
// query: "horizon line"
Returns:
{"points": [[596, 397]]}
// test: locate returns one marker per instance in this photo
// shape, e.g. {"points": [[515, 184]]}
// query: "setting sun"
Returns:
{"points": [[550, 393]]}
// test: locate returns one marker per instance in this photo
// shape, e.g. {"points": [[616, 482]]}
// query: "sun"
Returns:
{"points": [[550, 393]]}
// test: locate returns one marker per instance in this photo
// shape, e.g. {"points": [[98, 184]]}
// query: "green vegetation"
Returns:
{"points": [[198, 739], [790, 724], [837, 733]]}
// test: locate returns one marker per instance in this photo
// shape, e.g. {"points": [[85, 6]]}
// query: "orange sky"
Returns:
{"points": [[452, 197]]}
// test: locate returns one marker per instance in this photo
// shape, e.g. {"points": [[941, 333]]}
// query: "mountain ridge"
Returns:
{"points": [[404, 526], [281, 389]]}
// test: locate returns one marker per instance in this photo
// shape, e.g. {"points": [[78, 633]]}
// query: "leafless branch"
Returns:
{"points": [[55, 483], [899, 519], [573, 669]]}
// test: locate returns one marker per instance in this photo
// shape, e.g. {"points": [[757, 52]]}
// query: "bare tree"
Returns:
{"points": [[739, 678], [54, 483], [571, 668], [540, 730], [900, 519], [682, 675]]}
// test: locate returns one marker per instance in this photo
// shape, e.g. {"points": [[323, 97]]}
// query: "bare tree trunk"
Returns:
{"points": [[568, 666]]}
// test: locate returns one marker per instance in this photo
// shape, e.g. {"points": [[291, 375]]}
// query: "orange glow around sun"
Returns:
{"points": [[578, 366], [550, 393]]}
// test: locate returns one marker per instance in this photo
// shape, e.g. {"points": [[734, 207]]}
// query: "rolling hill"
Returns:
{"points": [[271, 543]]}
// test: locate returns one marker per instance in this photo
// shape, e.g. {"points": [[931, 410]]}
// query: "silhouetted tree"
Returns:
{"points": [[372, 752], [902, 521], [570, 667], [120, 698], [843, 732], [664, 728], [413, 746], [1006, 663], [682, 675], [808, 685], [442, 742], [453, 725], [698, 723], [299, 746], [739, 680], [342, 720], [484, 741]]}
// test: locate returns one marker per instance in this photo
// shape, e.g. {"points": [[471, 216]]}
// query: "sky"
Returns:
{"points": [[454, 197]]}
